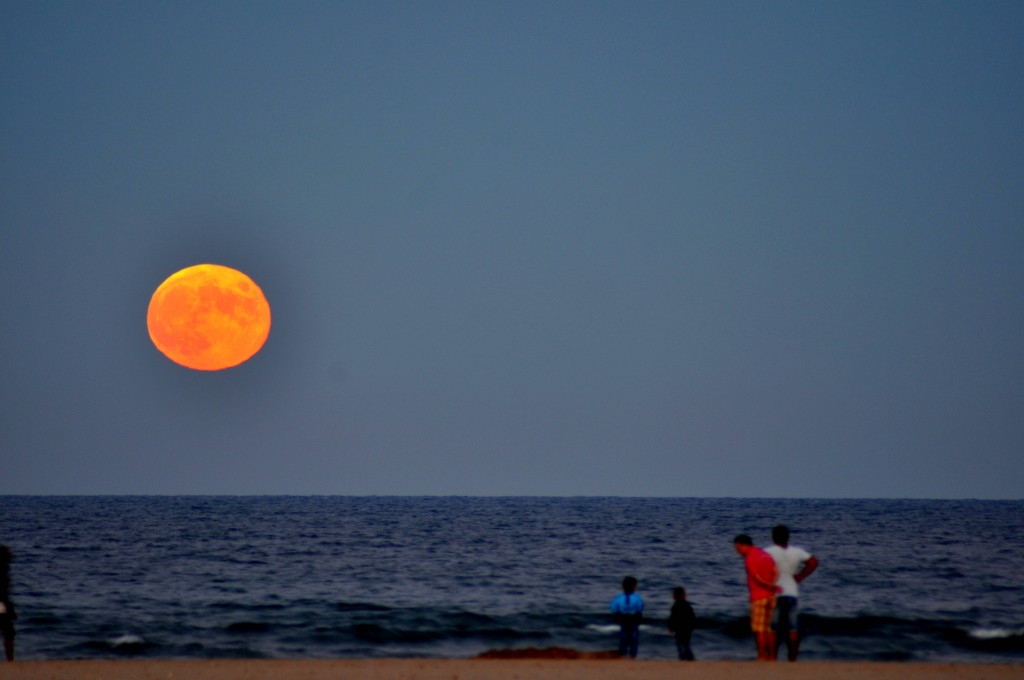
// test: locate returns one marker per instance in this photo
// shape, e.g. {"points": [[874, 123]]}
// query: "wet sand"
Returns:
{"points": [[498, 669]]}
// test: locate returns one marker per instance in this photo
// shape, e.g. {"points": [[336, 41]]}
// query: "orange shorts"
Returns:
{"points": [[761, 615]]}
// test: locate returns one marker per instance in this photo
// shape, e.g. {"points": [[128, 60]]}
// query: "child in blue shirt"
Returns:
{"points": [[628, 611]]}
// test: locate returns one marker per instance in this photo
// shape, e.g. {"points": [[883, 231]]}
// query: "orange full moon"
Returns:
{"points": [[208, 317]]}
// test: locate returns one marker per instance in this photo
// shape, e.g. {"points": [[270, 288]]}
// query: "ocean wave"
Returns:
{"points": [[128, 640], [867, 625], [127, 644], [248, 627], [604, 628], [995, 633], [360, 607], [1005, 640]]}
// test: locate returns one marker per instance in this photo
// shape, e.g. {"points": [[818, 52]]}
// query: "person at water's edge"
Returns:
{"points": [[682, 621], [7, 613], [628, 611], [761, 577], [794, 564]]}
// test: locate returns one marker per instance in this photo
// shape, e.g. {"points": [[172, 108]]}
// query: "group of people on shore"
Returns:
{"points": [[773, 577]]}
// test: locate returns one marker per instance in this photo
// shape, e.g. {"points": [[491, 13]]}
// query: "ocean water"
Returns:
{"points": [[334, 577]]}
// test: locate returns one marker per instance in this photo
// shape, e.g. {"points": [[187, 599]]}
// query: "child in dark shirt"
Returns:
{"points": [[682, 621]]}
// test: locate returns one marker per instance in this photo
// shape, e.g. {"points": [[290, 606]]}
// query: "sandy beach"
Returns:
{"points": [[504, 669]]}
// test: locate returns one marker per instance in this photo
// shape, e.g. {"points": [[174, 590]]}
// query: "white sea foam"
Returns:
{"points": [[613, 628], [995, 633], [126, 640], [603, 628]]}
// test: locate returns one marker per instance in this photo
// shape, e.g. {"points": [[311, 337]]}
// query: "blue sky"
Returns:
{"points": [[602, 248]]}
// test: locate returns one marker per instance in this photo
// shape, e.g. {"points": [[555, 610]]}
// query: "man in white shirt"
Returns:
{"points": [[794, 564]]}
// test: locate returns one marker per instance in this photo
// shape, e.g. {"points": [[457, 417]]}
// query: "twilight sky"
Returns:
{"points": [[560, 248]]}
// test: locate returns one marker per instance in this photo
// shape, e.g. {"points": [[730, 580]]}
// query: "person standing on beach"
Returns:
{"points": [[794, 564], [682, 621], [628, 611], [7, 614], [762, 575]]}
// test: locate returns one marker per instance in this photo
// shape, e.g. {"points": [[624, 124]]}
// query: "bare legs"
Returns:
{"points": [[765, 646]]}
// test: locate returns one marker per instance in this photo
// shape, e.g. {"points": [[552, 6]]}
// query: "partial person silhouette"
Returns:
{"points": [[7, 613]]}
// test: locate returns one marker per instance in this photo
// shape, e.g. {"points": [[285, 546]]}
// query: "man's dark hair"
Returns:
{"points": [[780, 534], [629, 584], [743, 539]]}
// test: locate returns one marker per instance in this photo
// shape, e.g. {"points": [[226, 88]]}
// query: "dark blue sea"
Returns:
{"points": [[346, 577]]}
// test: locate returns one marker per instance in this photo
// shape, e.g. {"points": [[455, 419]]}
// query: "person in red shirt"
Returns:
{"points": [[761, 577]]}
